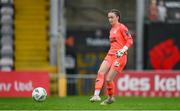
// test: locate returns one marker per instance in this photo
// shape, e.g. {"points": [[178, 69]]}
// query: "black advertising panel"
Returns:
{"points": [[162, 46], [88, 50]]}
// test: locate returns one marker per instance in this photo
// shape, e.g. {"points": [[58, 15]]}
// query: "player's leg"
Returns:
{"points": [[104, 68], [110, 87], [116, 68]]}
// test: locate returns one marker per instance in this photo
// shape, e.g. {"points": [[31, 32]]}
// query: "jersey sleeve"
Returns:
{"points": [[127, 36]]}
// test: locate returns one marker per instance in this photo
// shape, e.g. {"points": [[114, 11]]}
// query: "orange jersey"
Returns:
{"points": [[119, 37]]}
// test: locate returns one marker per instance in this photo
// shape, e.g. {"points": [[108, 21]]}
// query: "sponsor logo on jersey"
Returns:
{"points": [[112, 40]]}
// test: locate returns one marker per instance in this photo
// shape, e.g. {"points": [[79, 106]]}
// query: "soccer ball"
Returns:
{"points": [[39, 94]]}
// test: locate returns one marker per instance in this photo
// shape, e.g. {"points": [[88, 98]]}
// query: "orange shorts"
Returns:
{"points": [[116, 63]]}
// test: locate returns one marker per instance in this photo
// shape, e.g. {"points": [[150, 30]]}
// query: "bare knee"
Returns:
{"points": [[110, 76], [108, 79]]}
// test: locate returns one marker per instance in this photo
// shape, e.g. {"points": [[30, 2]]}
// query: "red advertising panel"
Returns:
{"points": [[21, 84], [148, 83]]}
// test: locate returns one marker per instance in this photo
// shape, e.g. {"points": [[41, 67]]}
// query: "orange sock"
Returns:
{"points": [[99, 81], [110, 88]]}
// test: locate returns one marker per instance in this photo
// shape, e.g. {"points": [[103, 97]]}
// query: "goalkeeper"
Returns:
{"points": [[116, 58]]}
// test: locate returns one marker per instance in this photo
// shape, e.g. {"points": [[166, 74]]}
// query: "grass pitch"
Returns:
{"points": [[82, 103]]}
